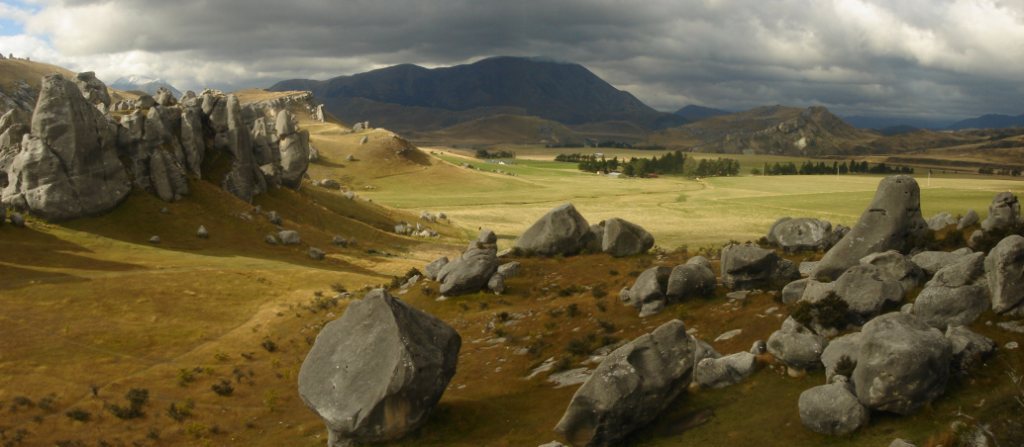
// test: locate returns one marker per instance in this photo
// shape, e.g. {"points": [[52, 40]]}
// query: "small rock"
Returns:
{"points": [[154, 240], [728, 335], [570, 377], [316, 254], [1011, 345], [289, 237], [18, 220], [202, 233], [270, 239]]}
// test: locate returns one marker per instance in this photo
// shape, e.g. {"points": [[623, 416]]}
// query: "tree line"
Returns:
{"points": [[821, 168], [673, 163], [486, 154]]}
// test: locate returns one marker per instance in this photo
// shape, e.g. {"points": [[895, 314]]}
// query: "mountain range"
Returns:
{"points": [[143, 84], [413, 98]]}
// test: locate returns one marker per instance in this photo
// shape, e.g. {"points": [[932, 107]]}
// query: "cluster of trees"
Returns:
{"points": [[821, 168], [673, 163], [719, 167], [992, 171], [485, 154]]}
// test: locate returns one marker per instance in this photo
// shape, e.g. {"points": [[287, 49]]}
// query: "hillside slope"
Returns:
{"points": [[768, 130], [397, 97]]}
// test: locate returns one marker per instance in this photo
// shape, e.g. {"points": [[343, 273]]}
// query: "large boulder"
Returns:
{"points": [[68, 167], [470, 272], [192, 139], [746, 266], [724, 371], [903, 364], [244, 179], [952, 297], [690, 279], [630, 387], [941, 221], [93, 89], [893, 266], [623, 238], [832, 409], [969, 348], [801, 234], [891, 222], [847, 346], [1003, 214], [649, 286], [381, 384], [434, 268], [294, 146], [932, 261], [1004, 268], [797, 346], [867, 290], [562, 231], [968, 220]]}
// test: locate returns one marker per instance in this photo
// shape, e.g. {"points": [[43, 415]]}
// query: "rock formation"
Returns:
{"points": [[802, 234], [381, 385], [747, 266], [562, 231]]}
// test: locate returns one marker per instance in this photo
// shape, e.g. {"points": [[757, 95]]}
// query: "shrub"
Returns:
{"points": [[607, 327], [137, 398], [186, 376], [223, 388], [569, 290], [831, 312], [599, 291], [338, 288], [572, 310], [78, 414], [269, 345], [181, 412]]}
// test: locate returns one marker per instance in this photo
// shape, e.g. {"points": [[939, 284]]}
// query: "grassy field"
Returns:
{"points": [[678, 211]]}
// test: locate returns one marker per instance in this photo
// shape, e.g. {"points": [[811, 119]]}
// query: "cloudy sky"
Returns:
{"points": [[915, 58]]}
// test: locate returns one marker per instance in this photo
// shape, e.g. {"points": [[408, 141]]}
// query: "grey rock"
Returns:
{"points": [[816, 291], [509, 269], [941, 221], [903, 364], [806, 267], [969, 348], [901, 443], [1003, 214], [699, 260], [794, 291], [316, 254], [1004, 267], [969, 220], [801, 234], [340, 241], [832, 410], [329, 183], [289, 237], [154, 239], [561, 231], [843, 346], [690, 280], [202, 232], [724, 371], [146, 102], [963, 271], [867, 290], [487, 236], [496, 283], [623, 238], [940, 306], [434, 268], [17, 220], [270, 239], [892, 265], [381, 385], [651, 308], [703, 350], [294, 148], [649, 286], [68, 167], [748, 266], [892, 222], [470, 272], [759, 347], [797, 346], [932, 261], [631, 387], [93, 89], [274, 218], [192, 140]]}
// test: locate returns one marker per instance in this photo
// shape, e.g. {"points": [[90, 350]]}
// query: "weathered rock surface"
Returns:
{"points": [[932, 261], [1003, 214], [893, 266], [434, 268], [969, 348], [289, 237], [844, 346], [381, 385], [832, 409], [941, 221], [892, 222], [630, 387], [1004, 268], [797, 346], [623, 238], [470, 272], [93, 89], [801, 234], [952, 297], [903, 364], [294, 146], [649, 286], [68, 167], [867, 290], [969, 220], [690, 279], [562, 231], [747, 266], [724, 371]]}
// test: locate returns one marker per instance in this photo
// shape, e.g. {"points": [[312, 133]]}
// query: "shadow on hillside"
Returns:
{"points": [[16, 277], [29, 247]]}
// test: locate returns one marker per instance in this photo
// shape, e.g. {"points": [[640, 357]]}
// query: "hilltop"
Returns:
{"points": [[412, 98]]}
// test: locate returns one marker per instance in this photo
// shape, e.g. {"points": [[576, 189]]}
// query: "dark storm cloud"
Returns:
{"points": [[918, 57]]}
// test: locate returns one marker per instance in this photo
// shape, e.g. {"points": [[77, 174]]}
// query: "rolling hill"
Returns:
{"points": [[696, 113], [990, 121], [412, 98], [769, 130]]}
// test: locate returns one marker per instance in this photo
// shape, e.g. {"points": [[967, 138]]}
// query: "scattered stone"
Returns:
{"points": [[651, 308], [690, 279], [901, 443], [1011, 345], [969, 220], [289, 237], [748, 266], [381, 385], [329, 183], [892, 222], [1004, 268], [202, 233], [623, 238], [724, 371], [649, 286], [470, 272], [759, 347], [509, 269], [794, 291], [903, 364], [832, 410], [270, 239], [728, 335], [1012, 326], [339, 241], [497, 283], [797, 346], [630, 387], [570, 377], [154, 239], [801, 234], [17, 220], [316, 254], [1003, 214], [562, 231], [969, 348], [941, 221], [932, 261]]}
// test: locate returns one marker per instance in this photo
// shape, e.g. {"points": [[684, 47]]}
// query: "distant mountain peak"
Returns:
{"points": [[143, 83]]}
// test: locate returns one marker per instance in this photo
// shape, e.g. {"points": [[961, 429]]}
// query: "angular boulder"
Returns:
{"points": [[747, 266], [630, 387], [832, 409], [867, 290], [434, 268], [892, 222], [941, 221], [649, 286], [294, 147], [843, 346], [893, 266], [724, 371], [690, 280], [1004, 267], [968, 220], [932, 261], [969, 348], [93, 89], [797, 346], [470, 272], [562, 231], [1003, 214], [623, 238], [381, 385], [903, 364]]}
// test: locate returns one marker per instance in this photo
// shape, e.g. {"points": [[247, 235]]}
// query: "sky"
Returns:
{"points": [[909, 58]]}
